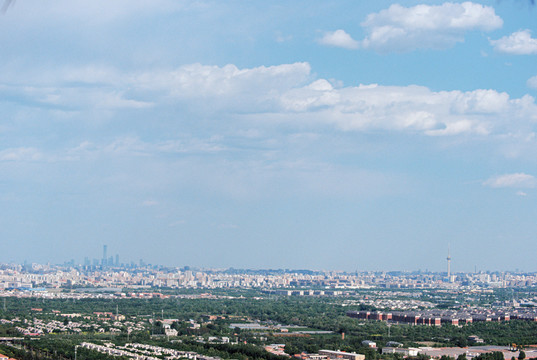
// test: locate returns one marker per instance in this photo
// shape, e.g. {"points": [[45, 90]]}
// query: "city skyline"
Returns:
{"points": [[38, 280], [108, 262], [318, 135]]}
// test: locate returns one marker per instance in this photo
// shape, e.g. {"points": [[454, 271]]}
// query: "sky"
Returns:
{"points": [[328, 135]]}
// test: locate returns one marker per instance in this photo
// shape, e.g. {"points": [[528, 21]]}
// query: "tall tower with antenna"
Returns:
{"points": [[448, 264]]}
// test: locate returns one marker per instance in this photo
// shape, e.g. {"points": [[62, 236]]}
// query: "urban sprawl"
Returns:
{"points": [[35, 276], [153, 312]]}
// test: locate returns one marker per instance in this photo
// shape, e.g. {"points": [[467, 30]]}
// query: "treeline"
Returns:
{"points": [[262, 309], [314, 313]]}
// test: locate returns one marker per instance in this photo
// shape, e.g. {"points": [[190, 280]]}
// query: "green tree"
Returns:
{"points": [[291, 349]]}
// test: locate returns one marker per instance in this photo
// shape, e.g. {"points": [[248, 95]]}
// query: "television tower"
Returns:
{"points": [[448, 265]]}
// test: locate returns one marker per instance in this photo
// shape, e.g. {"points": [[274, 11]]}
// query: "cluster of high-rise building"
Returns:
{"points": [[104, 262], [291, 282], [109, 272]]}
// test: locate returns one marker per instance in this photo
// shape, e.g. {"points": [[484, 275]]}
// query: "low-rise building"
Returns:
{"points": [[334, 355], [402, 351], [369, 343]]}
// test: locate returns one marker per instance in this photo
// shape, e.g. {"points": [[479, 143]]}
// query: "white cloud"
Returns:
{"points": [[72, 97], [412, 108], [339, 38], [95, 12], [201, 80], [280, 38], [518, 43], [532, 82], [133, 146], [282, 93], [227, 87], [229, 226], [87, 75], [177, 223], [424, 26], [516, 180], [286, 90], [25, 154], [150, 203]]}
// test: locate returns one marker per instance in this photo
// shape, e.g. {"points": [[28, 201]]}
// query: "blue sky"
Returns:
{"points": [[350, 135]]}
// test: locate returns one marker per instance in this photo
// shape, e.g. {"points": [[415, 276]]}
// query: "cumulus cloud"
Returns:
{"points": [[516, 180], [403, 29], [532, 82], [228, 87], [291, 93], [288, 92], [202, 80], [518, 43], [410, 108], [339, 38]]}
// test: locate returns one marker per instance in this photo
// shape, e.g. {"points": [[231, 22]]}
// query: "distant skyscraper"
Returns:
{"points": [[448, 264], [104, 255]]}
